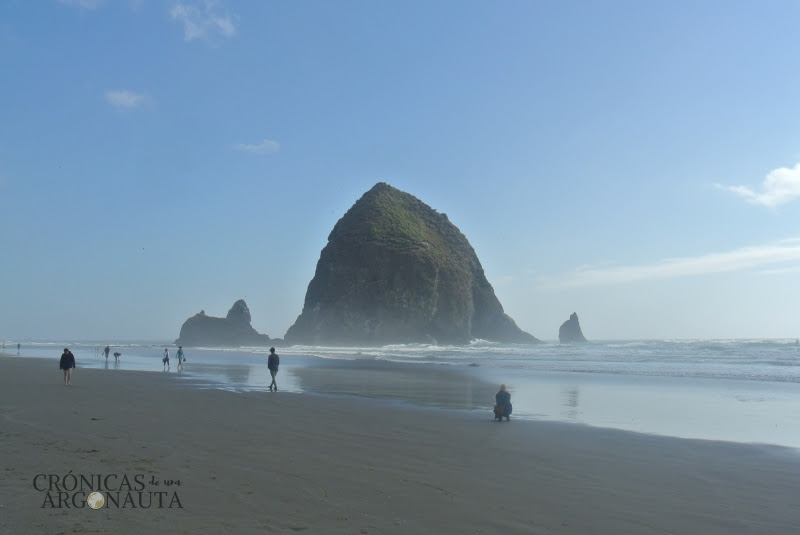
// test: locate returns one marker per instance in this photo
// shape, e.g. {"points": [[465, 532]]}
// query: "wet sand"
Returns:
{"points": [[302, 463]]}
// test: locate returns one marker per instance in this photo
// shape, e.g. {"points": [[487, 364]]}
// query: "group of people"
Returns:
{"points": [[502, 408], [117, 354], [19, 346], [67, 363], [273, 362], [179, 355]]}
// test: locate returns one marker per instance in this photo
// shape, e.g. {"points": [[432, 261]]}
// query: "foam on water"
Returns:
{"points": [[760, 360]]}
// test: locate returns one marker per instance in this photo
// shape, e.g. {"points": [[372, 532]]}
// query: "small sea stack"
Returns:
{"points": [[233, 330], [570, 331]]}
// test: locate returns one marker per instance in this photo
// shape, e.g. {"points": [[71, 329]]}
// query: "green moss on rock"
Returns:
{"points": [[396, 271]]}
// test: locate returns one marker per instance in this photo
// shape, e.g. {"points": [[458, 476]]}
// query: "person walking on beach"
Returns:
{"points": [[181, 358], [18, 348], [272, 363], [502, 404], [107, 350], [165, 360], [66, 363]]}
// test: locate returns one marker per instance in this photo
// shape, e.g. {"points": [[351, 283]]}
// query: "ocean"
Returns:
{"points": [[732, 390]]}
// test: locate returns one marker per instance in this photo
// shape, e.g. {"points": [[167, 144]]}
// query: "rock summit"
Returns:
{"points": [[570, 331]]}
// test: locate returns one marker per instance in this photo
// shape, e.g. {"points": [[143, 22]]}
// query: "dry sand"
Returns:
{"points": [[300, 463]]}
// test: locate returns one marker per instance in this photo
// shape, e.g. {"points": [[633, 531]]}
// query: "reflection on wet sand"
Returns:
{"points": [[237, 376], [571, 394], [445, 387]]}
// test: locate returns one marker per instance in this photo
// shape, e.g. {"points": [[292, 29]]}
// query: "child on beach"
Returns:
{"points": [[181, 358], [165, 360]]}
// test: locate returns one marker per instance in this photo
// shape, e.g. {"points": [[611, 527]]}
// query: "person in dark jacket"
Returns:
{"points": [[502, 404], [66, 363], [272, 363]]}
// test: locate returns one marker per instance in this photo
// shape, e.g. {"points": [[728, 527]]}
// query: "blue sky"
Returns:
{"points": [[635, 162]]}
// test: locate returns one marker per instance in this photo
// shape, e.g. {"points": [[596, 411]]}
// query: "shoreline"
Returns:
{"points": [[284, 462], [733, 410]]}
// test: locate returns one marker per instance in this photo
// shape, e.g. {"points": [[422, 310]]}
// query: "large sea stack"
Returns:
{"points": [[234, 330], [396, 271], [570, 331]]}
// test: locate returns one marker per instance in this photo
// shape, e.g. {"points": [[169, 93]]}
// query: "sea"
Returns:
{"points": [[730, 390]]}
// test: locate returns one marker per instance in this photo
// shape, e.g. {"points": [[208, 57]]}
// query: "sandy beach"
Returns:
{"points": [[302, 463]]}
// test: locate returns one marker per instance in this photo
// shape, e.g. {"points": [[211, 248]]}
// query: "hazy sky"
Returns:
{"points": [[635, 162]]}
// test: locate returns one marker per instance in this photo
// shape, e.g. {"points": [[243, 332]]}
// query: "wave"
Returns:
{"points": [[751, 359]]}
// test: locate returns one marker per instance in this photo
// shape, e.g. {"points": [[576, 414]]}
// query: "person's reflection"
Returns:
{"points": [[571, 394]]}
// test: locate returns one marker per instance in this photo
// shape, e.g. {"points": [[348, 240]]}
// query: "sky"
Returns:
{"points": [[637, 163]]}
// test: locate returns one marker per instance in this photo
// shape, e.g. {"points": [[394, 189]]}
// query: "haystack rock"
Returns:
{"points": [[396, 271], [231, 331], [570, 331]]}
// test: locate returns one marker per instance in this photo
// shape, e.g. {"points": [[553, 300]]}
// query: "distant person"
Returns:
{"points": [[165, 360], [18, 348], [181, 358], [107, 350], [502, 404], [117, 355], [272, 363], [66, 363]]}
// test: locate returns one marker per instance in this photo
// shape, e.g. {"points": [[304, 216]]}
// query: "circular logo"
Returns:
{"points": [[95, 500]]}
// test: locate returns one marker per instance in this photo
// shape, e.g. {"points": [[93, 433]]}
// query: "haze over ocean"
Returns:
{"points": [[634, 163]]}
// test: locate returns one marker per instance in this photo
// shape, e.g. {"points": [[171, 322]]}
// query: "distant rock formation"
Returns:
{"points": [[570, 331], [396, 271], [231, 331]]}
